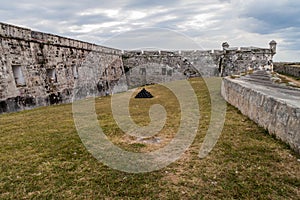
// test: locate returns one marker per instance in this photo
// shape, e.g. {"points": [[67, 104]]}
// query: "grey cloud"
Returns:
{"points": [[91, 19], [273, 16], [157, 38], [228, 19], [134, 4]]}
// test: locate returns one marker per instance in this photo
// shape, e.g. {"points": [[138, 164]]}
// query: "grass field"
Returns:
{"points": [[42, 157]]}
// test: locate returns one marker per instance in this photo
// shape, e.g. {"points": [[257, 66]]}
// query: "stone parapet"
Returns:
{"points": [[274, 107], [25, 34]]}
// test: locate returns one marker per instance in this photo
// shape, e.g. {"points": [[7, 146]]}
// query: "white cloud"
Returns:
{"points": [[113, 13], [134, 15]]}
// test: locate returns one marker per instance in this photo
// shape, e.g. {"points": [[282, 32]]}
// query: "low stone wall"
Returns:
{"points": [[292, 69], [274, 107]]}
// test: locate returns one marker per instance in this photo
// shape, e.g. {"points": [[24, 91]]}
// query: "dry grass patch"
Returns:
{"points": [[42, 157]]}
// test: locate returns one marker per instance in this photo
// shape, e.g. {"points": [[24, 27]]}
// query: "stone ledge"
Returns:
{"points": [[11, 32], [275, 108]]}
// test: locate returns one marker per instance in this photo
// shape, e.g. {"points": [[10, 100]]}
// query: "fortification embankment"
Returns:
{"points": [[272, 106], [38, 69]]}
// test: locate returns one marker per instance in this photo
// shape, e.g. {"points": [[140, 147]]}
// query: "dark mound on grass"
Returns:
{"points": [[144, 94]]}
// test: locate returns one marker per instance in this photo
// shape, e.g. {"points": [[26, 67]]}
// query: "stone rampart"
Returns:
{"points": [[148, 67], [38, 69], [274, 107], [292, 69]]}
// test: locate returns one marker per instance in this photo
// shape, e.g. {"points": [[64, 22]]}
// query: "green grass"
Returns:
{"points": [[42, 157]]}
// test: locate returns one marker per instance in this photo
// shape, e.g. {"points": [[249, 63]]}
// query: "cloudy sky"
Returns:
{"points": [[168, 24]]}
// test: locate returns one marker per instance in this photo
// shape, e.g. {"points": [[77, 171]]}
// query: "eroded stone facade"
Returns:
{"points": [[292, 69], [38, 69], [148, 67], [240, 60], [145, 67]]}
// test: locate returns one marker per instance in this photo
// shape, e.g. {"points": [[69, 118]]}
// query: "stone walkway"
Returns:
{"points": [[261, 81], [274, 106]]}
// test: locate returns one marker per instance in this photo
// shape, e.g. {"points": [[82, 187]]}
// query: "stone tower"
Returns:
{"points": [[273, 46], [225, 45]]}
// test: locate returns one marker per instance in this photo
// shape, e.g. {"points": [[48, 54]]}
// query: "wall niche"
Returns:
{"points": [[18, 75]]}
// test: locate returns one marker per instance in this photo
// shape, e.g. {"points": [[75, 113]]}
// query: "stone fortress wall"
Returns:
{"points": [[292, 69], [231, 60], [39, 69], [240, 60], [146, 67]]}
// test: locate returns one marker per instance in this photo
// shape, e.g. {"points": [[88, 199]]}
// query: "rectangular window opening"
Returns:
{"points": [[51, 75], [75, 72], [18, 75]]}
